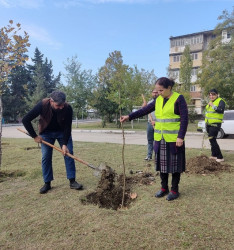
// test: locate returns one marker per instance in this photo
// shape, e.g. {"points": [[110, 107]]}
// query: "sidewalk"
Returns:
{"points": [[192, 140]]}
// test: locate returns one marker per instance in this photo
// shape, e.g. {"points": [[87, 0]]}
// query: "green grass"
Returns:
{"points": [[202, 218]]}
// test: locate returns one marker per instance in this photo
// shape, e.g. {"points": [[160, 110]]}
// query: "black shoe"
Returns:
{"points": [[76, 185], [161, 193], [45, 188], [172, 196]]}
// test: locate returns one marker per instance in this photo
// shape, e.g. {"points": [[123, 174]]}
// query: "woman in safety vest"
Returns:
{"points": [[170, 128], [213, 119]]}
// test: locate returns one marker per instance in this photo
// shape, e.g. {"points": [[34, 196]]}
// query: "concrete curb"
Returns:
{"points": [[120, 131], [103, 131]]}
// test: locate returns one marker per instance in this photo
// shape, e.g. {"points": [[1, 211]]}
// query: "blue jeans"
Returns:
{"points": [[150, 138], [47, 153]]}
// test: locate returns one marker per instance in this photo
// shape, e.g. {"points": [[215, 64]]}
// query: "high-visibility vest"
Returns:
{"points": [[211, 115], [167, 123]]}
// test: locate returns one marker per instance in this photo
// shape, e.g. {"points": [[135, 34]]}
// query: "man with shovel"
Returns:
{"points": [[55, 123], [150, 126]]}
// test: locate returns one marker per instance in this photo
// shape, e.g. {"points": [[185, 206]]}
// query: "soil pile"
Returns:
{"points": [[109, 192], [203, 165]]}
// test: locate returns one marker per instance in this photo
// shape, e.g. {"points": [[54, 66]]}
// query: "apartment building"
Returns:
{"points": [[198, 42]]}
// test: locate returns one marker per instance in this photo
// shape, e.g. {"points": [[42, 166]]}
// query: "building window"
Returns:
{"points": [[187, 41], [177, 58], [194, 56], [175, 74], [193, 88], [194, 71]]}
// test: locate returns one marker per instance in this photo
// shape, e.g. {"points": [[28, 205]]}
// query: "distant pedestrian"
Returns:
{"points": [[150, 126], [171, 114], [55, 123], [213, 119]]}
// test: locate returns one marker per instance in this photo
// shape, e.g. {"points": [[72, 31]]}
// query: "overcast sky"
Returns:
{"points": [[91, 29]]}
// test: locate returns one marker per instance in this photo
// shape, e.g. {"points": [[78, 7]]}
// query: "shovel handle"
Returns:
{"points": [[60, 150]]}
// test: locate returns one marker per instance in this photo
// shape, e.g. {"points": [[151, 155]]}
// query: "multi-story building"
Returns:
{"points": [[198, 42]]}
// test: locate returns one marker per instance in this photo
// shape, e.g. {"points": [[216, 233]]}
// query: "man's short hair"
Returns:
{"points": [[58, 96]]}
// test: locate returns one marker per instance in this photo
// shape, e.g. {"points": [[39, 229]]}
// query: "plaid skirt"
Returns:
{"points": [[168, 161]]}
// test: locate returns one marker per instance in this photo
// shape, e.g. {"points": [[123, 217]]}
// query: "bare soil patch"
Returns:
{"points": [[5, 175], [31, 148], [109, 191], [203, 165]]}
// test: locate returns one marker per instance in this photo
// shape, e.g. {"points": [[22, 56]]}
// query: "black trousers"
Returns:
{"points": [[174, 182], [212, 133]]}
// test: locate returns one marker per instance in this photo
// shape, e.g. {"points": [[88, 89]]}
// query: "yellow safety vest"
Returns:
{"points": [[211, 115], [167, 123]]}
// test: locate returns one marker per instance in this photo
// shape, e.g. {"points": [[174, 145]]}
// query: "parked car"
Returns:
{"points": [[227, 127]]}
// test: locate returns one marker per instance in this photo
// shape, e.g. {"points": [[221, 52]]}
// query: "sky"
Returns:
{"points": [[92, 29]]}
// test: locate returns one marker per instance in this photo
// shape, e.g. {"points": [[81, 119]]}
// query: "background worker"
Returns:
{"points": [[54, 124], [171, 114], [150, 126], [213, 119]]}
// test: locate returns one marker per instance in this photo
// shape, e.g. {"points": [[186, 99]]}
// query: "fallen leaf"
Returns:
{"points": [[133, 195]]}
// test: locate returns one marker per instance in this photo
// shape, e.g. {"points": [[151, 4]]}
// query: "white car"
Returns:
{"points": [[227, 127]]}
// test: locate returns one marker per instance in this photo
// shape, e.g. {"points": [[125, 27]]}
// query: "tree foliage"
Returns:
{"points": [[12, 54], [14, 96], [12, 49], [42, 81], [217, 64], [119, 87], [186, 69], [80, 85]]}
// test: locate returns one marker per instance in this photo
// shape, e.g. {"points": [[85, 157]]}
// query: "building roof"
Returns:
{"points": [[192, 34]]}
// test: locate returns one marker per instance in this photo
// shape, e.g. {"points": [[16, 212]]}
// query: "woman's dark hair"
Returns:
{"points": [[165, 82]]}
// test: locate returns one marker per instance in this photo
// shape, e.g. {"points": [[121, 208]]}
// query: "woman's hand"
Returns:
{"points": [[179, 142], [124, 118]]}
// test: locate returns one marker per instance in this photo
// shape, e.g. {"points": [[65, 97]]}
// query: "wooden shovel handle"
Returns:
{"points": [[59, 149]]}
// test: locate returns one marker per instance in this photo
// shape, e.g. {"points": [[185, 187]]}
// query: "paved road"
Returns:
{"points": [[193, 140]]}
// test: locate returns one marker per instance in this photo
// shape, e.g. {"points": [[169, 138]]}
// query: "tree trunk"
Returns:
{"points": [[77, 119], [0, 131]]}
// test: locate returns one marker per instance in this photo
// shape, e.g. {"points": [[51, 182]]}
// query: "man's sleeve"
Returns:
{"points": [[32, 114]]}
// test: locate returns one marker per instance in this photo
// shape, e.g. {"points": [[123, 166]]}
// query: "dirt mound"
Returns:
{"points": [[203, 165], [109, 191]]}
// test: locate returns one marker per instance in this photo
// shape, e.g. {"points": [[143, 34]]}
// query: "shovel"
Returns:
{"points": [[97, 169]]}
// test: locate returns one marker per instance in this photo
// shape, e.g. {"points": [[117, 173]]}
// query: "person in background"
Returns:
{"points": [[55, 123], [171, 114], [213, 119], [150, 126]]}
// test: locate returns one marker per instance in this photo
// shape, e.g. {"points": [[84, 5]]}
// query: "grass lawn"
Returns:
{"points": [[202, 217]]}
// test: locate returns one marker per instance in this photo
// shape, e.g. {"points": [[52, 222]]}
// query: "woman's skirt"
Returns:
{"points": [[167, 161]]}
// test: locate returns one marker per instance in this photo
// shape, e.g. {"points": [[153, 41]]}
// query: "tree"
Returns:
{"points": [[12, 53], [42, 81], [186, 69], [103, 102], [14, 96], [217, 62], [80, 84]]}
